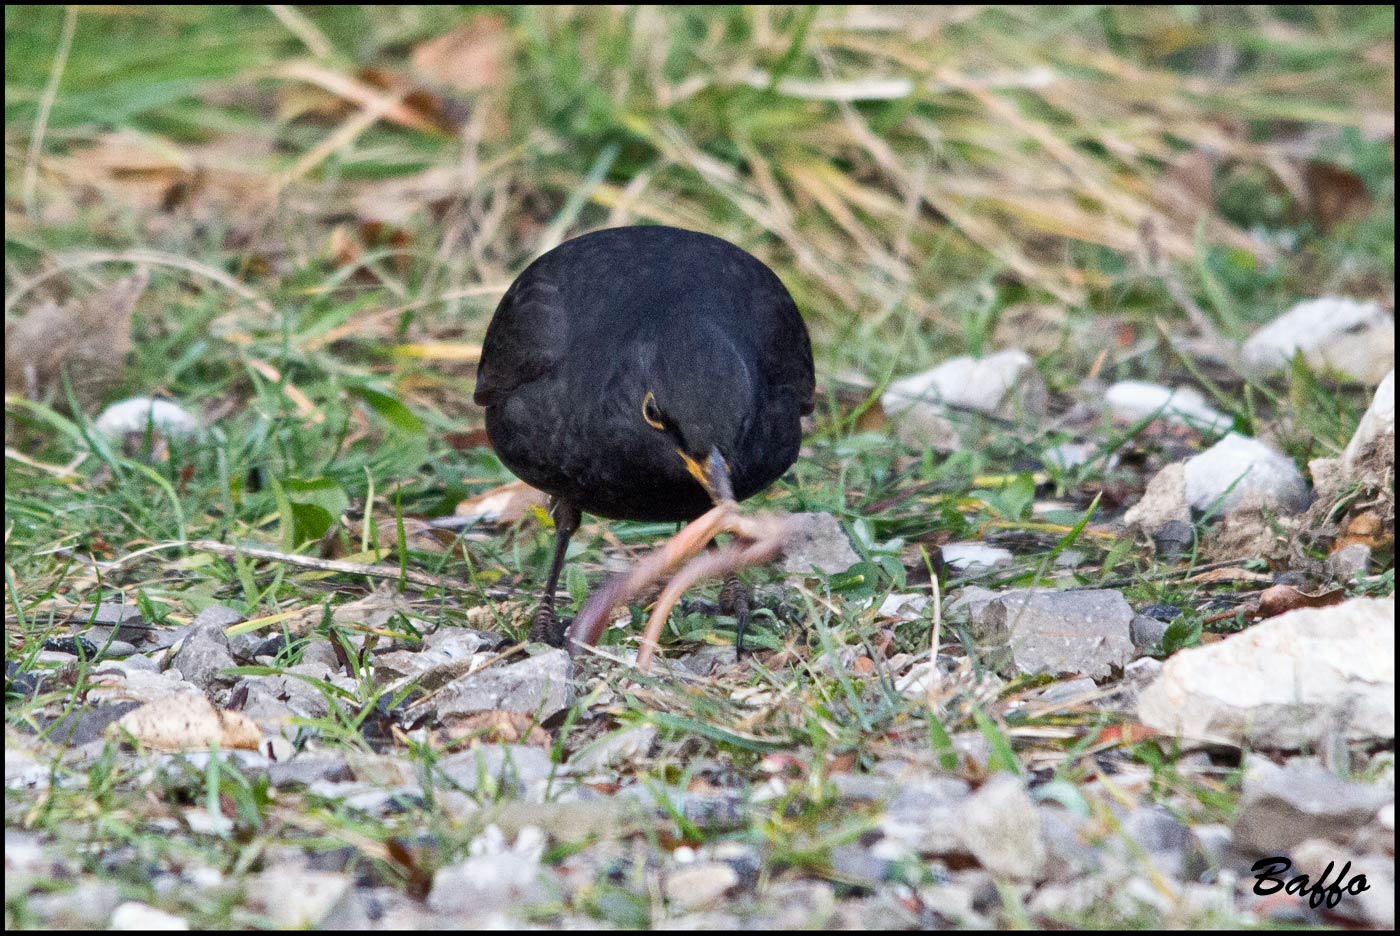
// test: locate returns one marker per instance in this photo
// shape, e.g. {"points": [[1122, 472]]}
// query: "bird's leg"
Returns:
{"points": [[736, 598], [745, 551], [546, 626]]}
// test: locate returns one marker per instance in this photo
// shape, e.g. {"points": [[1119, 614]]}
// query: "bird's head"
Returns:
{"points": [[699, 402]]}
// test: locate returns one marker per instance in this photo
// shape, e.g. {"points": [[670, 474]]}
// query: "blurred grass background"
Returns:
{"points": [[936, 172]]}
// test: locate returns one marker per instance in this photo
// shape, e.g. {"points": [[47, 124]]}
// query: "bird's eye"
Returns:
{"points": [[651, 412]]}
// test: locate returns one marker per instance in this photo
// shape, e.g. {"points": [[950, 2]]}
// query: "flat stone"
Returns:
{"points": [[968, 556], [538, 685], [701, 886], [511, 767], [818, 542], [1287, 682], [1082, 632], [1136, 400], [998, 384], [1000, 826], [1284, 806], [436, 664]]}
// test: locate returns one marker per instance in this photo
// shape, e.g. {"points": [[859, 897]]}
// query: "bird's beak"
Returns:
{"points": [[712, 473]]}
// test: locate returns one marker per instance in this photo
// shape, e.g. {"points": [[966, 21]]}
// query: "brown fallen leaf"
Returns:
{"points": [[1283, 598], [490, 727], [89, 339], [1335, 194], [469, 58], [188, 724], [1230, 575], [502, 505]]}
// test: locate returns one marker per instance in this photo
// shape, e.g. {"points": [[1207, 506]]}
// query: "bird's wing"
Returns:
{"points": [[785, 348], [525, 340]]}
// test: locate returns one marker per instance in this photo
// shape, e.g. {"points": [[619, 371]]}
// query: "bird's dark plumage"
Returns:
{"points": [[595, 325], [644, 373]]}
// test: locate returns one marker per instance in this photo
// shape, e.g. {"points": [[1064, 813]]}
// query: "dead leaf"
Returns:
{"points": [[1335, 194], [1283, 598], [88, 339], [1230, 575], [189, 724], [502, 505], [490, 727], [207, 182], [470, 57]]}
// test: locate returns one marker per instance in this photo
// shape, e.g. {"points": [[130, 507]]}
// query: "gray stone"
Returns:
{"points": [[612, 749], [1173, 539], [1284, 806], [1286, 682], [217, 615], [1081, 632], [274, 701], [1068, 852], [1239, 472], [924, 813], [818, 542], [308, 767], [1162, 503], [85, 725], [1158, 835], [88, 906], [538, 685], [203, 656], [1350, 561], [509, 767], [1147, 632], [999, 825], [448, 656], [496, 877]]}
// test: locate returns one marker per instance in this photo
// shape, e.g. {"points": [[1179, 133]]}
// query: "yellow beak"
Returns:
{"points": [[712, 473]]}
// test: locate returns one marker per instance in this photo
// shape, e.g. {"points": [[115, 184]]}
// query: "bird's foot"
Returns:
{"points": [[547, 627], [736, 598]]}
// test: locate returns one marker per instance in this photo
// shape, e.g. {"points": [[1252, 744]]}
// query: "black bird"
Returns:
{"points": [[644, 373]]}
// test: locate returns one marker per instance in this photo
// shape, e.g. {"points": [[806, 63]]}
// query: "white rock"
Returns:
{"points": [[136, 414], [1134, 400], [699, 886], [1001, 827], [495, 877], [964, 556], [137, 916], [1375, 436], [1238, 466], [1353, 338], [1287, 682], [297, 898], [906, 607], [981, 384]]}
